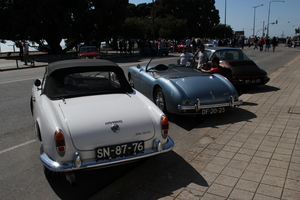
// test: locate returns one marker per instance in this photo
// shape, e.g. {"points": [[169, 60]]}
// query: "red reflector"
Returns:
{"points": [[166, 131], [60, 149]]}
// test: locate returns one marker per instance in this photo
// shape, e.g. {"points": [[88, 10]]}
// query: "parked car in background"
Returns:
{"points": [[177, 48], [183, 90], [82, 111], [89, 52], [244, 70]]}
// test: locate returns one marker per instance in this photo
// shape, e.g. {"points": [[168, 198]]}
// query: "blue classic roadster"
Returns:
{"points": [[183, 90]]}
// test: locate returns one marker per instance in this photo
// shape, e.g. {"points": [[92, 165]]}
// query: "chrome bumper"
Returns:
{"points": [[197, 107], [77, 164]]}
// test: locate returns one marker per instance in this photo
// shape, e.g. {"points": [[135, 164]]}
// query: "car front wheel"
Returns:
{"points": [[160, 99]]}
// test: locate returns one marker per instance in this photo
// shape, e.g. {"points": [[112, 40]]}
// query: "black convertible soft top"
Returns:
{"points": [[57, 71]]}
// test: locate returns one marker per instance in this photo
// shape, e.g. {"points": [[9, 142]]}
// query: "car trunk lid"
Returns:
{"points": [[90, 120], [217, 91]]}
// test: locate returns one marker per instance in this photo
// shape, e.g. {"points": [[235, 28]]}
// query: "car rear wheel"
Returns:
{"points": [[159, 99]]}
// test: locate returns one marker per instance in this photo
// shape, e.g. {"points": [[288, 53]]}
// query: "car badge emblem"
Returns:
{"points": [[115, 128]]}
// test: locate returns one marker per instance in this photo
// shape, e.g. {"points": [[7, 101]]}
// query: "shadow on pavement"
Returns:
{"points": [[89, 182], [160, 176]]}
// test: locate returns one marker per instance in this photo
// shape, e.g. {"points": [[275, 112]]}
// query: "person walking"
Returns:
{"points": [[274, 43], [261, 43]]}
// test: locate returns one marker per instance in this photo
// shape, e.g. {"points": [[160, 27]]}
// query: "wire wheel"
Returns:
{"points": [[160, 99]]}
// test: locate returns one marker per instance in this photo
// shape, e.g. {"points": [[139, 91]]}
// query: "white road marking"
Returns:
{"points": [[17, 146]]}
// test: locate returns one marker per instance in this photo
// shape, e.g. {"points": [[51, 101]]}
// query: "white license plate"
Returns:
{"points": [[119, 151], [252, 81], [210, 111]]}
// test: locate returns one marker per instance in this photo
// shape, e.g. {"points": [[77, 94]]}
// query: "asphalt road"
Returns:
{"points": [[22, 174]]}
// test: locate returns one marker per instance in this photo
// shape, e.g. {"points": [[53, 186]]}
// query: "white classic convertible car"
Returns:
{"points": [[86, 115]]}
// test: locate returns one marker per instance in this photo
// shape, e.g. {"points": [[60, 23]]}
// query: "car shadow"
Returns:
{"points": [[255, 89], [160, 176], [233, 115], [88, 182], [165, 173]]}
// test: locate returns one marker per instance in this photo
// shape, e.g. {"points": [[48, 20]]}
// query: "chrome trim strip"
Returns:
{"points": [[198, 107], [69, 166]]}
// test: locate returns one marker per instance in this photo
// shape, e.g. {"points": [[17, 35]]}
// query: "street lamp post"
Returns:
{"points": [[225, 16], [254, 18], [269, 16]]}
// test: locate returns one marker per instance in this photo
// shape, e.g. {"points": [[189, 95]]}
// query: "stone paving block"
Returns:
{"points": [[273, 180], [260, 161], [275, 171], [284, 151], [256, 168], [295, 159], [226, 180], [264, 197], [211, 167], [238, 194], [234, 172], [292, 184], [266, 148], [290, 194], [269, 190], [252, 176], [245, 151], [281, 157], [230, 149], [263, 154], [279, 164], [236, 164], [242, 157], [247, 185], [219, 190], [220, 161]]}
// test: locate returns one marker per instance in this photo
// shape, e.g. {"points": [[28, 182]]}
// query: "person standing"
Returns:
{"points": [[202, 57], [255, 42], [25, 52], [184, 57], [274, 43]]}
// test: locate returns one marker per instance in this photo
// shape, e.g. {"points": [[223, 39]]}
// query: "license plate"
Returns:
{"points": [[252, 81], [209, 111], [119, 151]]}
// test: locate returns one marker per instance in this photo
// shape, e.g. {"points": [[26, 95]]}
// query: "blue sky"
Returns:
{"points": [[240, 15]]}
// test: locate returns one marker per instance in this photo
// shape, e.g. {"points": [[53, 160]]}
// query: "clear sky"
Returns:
{"points": [[240, 15]]}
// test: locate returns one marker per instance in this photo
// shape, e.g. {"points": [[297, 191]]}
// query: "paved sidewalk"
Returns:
{"points": [[252, 152]]}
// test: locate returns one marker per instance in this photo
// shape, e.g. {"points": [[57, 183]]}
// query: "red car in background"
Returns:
{"points": [[177, 48], [89, 52]]}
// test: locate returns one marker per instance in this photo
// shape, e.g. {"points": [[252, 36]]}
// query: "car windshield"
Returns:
{"points": [[229, 55]]}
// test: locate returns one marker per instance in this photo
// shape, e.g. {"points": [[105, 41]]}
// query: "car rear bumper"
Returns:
{"points": [[197, 107], [77, 164]]}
